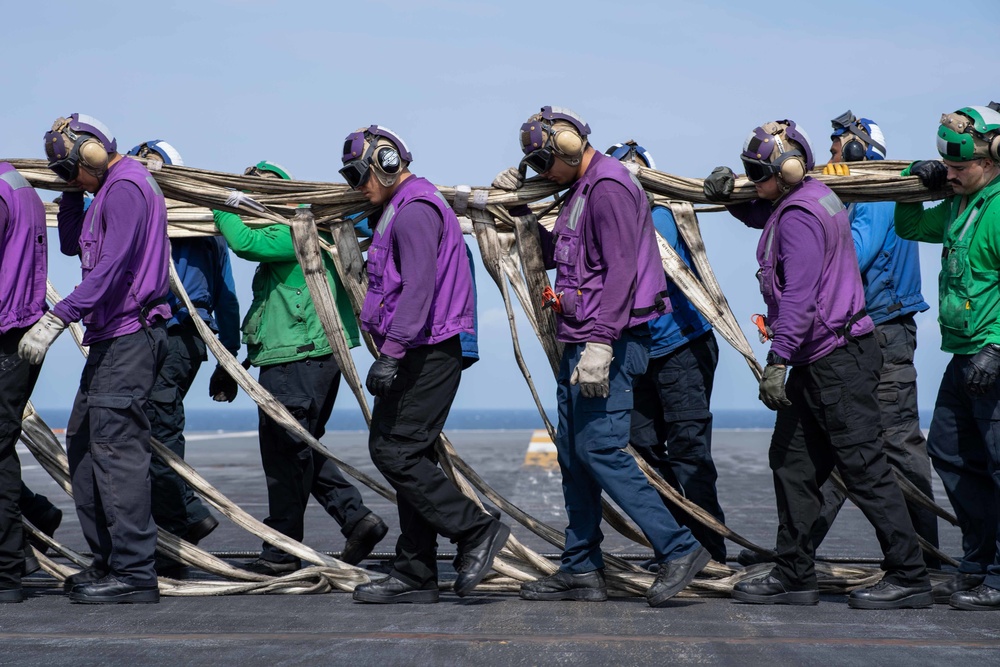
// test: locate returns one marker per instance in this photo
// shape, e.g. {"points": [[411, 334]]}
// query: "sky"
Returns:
{"points": [[231, 82]]}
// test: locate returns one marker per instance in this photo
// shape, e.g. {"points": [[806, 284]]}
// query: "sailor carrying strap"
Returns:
{"points": [[145, 310], [845, 331]]}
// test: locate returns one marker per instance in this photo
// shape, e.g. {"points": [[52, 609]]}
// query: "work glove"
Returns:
{"points": [[509, 179], [593, 370], [222, 386], [36, 342], [718, 186], [772, 387], [981, 373], [837, 169], [932, 173], [381, 375]]}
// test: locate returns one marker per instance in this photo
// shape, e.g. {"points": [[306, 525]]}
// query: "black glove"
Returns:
{"points": [[772, 387], [932, 173], [719, 185], [222, 386], [981, 373], [381, 375]]}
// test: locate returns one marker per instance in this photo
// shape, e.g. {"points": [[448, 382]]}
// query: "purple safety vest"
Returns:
{"points": [[142, 283], [581, 285], [452, 306], [23, 258], [840, 298]]}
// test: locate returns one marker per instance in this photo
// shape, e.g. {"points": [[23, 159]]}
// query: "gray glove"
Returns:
{"points": [[719, 184], [772, 387], [35, 343], [593, 370], [509, 179]]}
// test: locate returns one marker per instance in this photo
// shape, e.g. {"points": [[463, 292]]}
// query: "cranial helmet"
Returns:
{"points": [[862, 138], [554, 132], [158, 148], [630, 151], [374, 149], [79, 140], [970, 133], [779, 148], [265, 168]]}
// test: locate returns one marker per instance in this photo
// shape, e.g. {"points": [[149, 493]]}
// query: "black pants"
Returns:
{"points": [[294, 470], [405, 426], [902, 440], [107, 442], [17, 380], [175, 506], [672, 430], [834, 421]]}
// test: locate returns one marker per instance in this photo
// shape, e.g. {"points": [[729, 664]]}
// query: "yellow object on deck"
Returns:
{"points": [[541, 451]]}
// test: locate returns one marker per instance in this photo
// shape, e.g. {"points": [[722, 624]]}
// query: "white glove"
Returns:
{"points": [[509, 179], [592, 371], [36, 342]]}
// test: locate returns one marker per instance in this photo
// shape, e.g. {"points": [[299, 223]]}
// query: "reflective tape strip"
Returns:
{"points": [[576, 212], [832, 204], [386, 218], [153, 184], [15, 180]]}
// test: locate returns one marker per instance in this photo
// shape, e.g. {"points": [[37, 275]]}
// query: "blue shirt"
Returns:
{"points": [[207, 275], [684, 323], [890, 266]]}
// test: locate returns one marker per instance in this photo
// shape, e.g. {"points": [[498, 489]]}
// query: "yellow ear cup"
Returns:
{"points": [[94, 155], [568, 142]]}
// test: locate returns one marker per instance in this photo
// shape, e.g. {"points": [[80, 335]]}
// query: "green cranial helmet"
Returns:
{"points": [[971, 133], [264, 167]]}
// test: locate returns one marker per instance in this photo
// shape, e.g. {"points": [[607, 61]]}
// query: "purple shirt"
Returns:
{"points": [[415, 237]]}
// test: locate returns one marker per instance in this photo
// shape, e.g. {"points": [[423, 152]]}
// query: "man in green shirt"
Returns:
{"points": [[964, 440], [285, 339]]}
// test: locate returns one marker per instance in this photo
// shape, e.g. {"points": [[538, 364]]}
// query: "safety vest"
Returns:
{"points": [[23, 259]]}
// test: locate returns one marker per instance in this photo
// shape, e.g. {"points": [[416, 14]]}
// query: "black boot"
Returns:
{"points": [[87, 576], [112, 591], [960, 582], [982, 598], [675, 575], [586, 586], [885, 595], [476, 563], [391, 590], [368, 532], [769, 590]]}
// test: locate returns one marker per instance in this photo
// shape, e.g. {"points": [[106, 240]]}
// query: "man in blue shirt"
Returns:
{"points": [[671, 417], [205, 270]]}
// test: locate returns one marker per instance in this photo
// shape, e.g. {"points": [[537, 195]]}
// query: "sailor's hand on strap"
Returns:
{"points": [[36, 342], [718, 187], [381, 375], [222, 386], [772, 387], [593, 371], [837, 169], [510, 179], [933, 174]]}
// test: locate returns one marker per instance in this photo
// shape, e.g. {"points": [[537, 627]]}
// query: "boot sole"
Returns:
{"points": [[12, 596], [972, 606], [915, 601], [499, 540], [411, 597], [577, 594], [799, 598], [135, 597], [663, 596]]}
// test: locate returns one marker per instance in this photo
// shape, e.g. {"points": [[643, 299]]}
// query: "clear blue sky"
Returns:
{"points": [[233, 82]]}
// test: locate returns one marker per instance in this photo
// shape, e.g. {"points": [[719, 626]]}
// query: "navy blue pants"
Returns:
{"points": [[405, 426], [834, 422], [107, 442], [672, 430], [293, 469], [964, 444], [17, 379], [902, 440], [175, 506], [590, 442]]}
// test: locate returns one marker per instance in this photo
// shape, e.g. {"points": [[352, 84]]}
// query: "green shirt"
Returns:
{"points": [[969, 282], [282, 324]]}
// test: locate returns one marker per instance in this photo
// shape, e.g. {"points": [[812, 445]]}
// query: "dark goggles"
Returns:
{"points": [[759, 172], [541, 160], [357, 172], [68, 168]]}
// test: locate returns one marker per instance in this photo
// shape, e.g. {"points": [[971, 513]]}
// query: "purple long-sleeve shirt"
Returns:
{"points": [[124, 214], [612, 246], [799, 244], [415, 233]]}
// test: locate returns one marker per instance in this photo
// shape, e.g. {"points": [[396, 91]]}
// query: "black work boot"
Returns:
{"points": [[270, 567], [748, 557], [196, 532], [585, 586], [885, 595], [769, 590], [981, 598], [87, 576], [392, 591], [368, 532], [675, 575], [960, 582], [110, 590], [475, 563]]}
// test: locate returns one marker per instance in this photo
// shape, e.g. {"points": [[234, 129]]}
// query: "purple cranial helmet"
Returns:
{"points": [[779, 148], [79, 139], [554, 132], [374, 148]]}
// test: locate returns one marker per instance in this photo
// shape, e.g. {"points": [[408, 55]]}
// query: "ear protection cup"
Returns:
{"points": [[853, 151], [387, 160], [792, 170], [994, 148], [568, 142], [94, 155]]}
